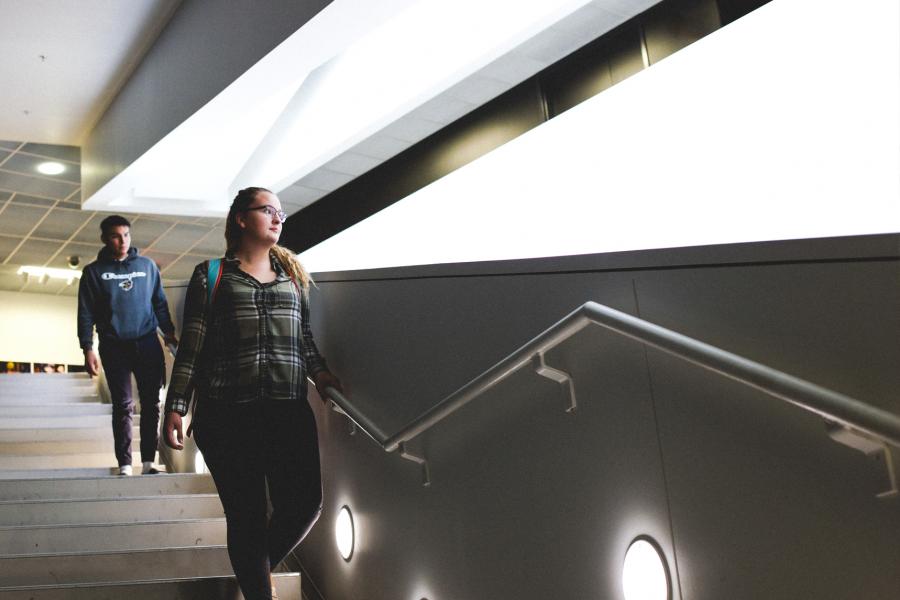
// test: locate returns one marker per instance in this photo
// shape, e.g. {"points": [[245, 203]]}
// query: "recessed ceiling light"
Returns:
{"points": [[51, 168]]}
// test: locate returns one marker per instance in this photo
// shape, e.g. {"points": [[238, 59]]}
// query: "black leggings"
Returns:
{"points": [[246, 447]]}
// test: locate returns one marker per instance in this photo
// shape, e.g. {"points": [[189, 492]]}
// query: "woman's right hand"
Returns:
{"points": [[172, 431]]}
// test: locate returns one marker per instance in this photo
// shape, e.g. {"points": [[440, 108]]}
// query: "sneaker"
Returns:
{"points": [[149, 469], [125, 471]]}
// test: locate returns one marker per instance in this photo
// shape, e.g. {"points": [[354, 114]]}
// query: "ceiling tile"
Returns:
{"points": [[210, 221], [27, 165], [162, 259], [184, 267], [353, 164], [299, 196], [411, 129], [146, 231], [4, 196], [213, 243], [443, 109], [74, 203], [61, 223], [522, 63], [478, 90], [326, 179], [34, 252], [9, 144], [69, 153], [180, 238], [87, 253], [19, 220], [90, 233], [34, 185], [4, 154], [7, 245], [167, 218], [381, 146], [32, 200]]}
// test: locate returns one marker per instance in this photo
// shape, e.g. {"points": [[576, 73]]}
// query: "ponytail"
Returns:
{"points": [[294, 269]]}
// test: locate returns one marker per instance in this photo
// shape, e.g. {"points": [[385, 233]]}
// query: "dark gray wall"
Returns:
{"points": [[530, 502], [527, 501], [206, 46]]}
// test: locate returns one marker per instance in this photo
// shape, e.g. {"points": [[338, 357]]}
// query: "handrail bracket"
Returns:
{"points": [[351, 423], [872, 447], [419, 459], [561, 377]]}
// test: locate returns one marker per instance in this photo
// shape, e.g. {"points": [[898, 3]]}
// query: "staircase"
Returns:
{"points": [[70, 529]]}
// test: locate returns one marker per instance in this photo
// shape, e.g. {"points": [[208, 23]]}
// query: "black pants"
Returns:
{"points": [[144, 358], [247, 447]]}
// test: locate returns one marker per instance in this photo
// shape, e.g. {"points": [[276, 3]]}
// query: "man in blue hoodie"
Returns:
{"points": [[121, 293]]}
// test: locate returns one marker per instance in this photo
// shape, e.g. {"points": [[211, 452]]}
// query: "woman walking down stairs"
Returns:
{"points": [[71, 529]]}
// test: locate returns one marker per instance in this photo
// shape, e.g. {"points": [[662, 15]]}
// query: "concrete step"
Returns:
{"points": [[112, 510], [209, 588], [55, 410], [19, 474], [76, 422], [19, 399], [110, 567], [61, 388], [62, 447], [47, 539], [62, 434], [106, 487], [31, 385], [5, 377], [91, 460]]}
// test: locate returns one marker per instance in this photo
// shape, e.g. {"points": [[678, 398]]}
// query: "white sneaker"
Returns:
{"points": [[149, 469], [125, 471]]}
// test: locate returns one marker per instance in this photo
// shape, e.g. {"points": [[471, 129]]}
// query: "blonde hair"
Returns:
{"points": [[284, 256]]}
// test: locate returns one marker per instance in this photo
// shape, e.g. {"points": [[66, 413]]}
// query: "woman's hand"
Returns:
{"points": [[324, 379], [172, 431]]}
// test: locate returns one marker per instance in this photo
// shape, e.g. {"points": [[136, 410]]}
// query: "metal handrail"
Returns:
{"points": [[834, 406]]}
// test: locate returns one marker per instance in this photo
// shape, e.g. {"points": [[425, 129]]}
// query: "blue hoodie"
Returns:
{"points": [[123, 298]]}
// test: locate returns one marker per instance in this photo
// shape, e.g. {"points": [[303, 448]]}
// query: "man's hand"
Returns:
{"points": [[92, 363], [172, 431], [324, 379]]}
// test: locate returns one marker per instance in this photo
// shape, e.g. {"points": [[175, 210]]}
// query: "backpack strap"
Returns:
{"points": [[213, 277]]}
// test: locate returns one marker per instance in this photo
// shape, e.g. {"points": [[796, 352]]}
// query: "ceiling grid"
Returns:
{"points": [[42, 223]]}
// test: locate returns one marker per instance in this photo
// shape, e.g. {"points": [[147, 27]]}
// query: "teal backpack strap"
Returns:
{"points": [[213, 277]]}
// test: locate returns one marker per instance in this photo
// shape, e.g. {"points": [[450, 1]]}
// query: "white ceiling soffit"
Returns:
{"points": [[352, 88], [64, 61]]}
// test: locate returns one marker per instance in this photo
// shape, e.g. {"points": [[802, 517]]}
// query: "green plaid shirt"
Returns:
{"points": [[253, 342]]}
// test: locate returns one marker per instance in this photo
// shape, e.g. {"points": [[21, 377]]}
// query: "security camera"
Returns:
{"points": [[73, 261]]}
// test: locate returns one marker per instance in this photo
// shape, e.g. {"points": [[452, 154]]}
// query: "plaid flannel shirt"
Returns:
{"points": [[253, 342]]}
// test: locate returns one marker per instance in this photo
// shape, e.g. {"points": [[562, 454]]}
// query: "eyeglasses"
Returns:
{"points": [[270, 211]]}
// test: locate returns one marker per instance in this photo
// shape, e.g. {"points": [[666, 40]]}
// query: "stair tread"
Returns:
{"points": [[224, 587]]}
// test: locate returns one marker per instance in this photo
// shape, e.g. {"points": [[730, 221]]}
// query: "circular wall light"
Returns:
{"points": [[644, 574], [51, 168], [345, 533]]}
